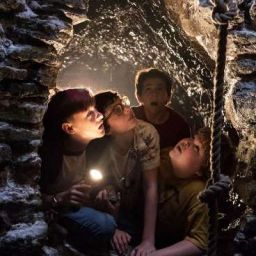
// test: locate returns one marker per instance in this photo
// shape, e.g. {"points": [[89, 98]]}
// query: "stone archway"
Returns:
{"points": [[34, 37]]}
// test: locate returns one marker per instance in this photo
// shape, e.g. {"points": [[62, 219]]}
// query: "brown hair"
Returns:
{"points": [[102, 101], [228, 158], [144, 74]]}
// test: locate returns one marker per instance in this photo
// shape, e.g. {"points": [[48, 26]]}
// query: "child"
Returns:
{"points": [[130, 153], [70, 123], [182, 226], [153, 91]]}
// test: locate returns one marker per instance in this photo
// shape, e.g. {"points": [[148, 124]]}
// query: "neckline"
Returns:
{"points": [[73, 153]]}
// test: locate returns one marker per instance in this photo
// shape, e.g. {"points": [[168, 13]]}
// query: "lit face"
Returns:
{"points": [[120, 117], [187, 158], [154, 95], [85, 126]]}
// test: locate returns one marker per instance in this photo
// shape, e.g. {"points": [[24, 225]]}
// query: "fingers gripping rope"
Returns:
{"points": [[224, 11], [216, 189]]}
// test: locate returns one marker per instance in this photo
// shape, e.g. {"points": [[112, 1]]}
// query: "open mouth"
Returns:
{"points": [[101, 126]]}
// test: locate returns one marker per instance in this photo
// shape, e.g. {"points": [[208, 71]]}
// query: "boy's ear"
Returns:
{"points": [[139, 99], [68, 128]]}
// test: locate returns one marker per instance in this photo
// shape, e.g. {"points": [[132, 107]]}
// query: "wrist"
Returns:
{"points": [[54, 199], [149, 240]]}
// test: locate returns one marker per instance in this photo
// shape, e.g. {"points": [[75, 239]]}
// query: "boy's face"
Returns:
{"points": [[154, 94], [187, 158], [120, 117], [85, 126]]}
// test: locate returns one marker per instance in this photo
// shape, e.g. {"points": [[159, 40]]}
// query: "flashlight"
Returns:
{"points": [[95, 175]]}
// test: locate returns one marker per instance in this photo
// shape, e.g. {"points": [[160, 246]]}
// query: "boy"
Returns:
{"points": [[182, 226], [131, 154], [153, 91]]}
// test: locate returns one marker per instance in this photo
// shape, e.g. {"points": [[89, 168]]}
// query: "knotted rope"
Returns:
{"points": [[223, 11]]}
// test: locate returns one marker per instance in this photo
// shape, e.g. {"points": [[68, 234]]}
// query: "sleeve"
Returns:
{"points": [[197, 227], [149, 147]]}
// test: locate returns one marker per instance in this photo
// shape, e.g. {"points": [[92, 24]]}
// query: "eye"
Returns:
{"points": [[118, 110], [147, 89], [90, 115]]}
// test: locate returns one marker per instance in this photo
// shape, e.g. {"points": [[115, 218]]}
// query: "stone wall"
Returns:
{"points": [[33, 36]]}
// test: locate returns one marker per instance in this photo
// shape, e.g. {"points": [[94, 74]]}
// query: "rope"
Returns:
{"points": [[223, 12]]}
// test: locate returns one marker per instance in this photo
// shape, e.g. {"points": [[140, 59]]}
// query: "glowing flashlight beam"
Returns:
{"points": [[96, 175]]}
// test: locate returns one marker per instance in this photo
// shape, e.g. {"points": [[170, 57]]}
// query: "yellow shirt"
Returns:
{"points": [[181, 215]]}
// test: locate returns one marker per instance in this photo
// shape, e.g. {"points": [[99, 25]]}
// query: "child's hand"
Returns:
{"points": [[104, 203], [77, 195], [145, 248], [120, 241]]}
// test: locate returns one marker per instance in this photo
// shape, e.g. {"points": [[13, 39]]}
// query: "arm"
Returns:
{"points": [[150, 209], [150, 160], [77, 195], [182, 248], [150, 206], [195, 237]]}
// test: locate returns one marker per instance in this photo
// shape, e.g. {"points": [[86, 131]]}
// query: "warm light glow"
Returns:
{"points": [[96, 175]]}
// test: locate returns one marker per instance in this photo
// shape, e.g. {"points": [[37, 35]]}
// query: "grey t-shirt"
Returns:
{"points": [[72, 172]]}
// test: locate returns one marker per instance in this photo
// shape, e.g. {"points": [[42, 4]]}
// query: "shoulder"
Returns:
{"points": [[193, 187], [143, 127]]}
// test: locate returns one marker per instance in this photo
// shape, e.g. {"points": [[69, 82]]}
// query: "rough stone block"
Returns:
{"points": [[11, 5], [23, 90], [32, 53], [25, 112], [20, 139], [243, 66], [241, 42], [12, 73], [27, 168], [241, 104], [20, 195], [24, 238], [5, 154], [76, 4]]}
